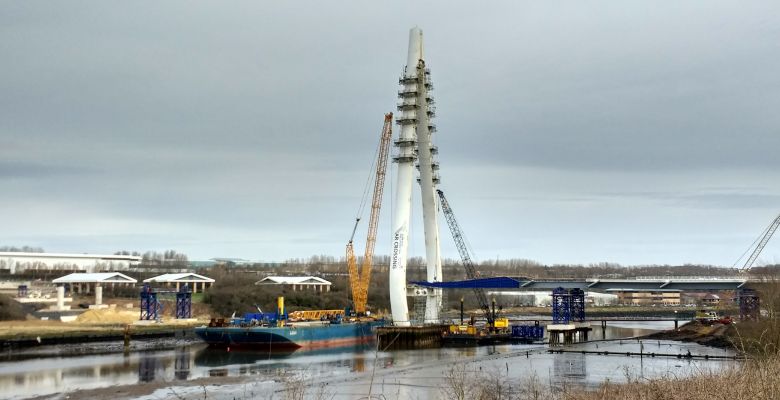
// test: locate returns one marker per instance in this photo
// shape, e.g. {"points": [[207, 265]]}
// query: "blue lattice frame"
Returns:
{"points": [[561, 306], [577, 302], [150, 306], [749, 304], [184, 303], [568, 305]]}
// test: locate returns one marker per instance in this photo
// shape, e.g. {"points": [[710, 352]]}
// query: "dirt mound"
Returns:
{"points": [[715, 335], [10, 309], [107, 316]]}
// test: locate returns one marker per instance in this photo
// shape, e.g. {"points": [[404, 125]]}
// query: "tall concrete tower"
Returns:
{"points": [[414, 143]]}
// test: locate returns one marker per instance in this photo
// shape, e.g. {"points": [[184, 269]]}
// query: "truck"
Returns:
{"points": [[709, 317]]}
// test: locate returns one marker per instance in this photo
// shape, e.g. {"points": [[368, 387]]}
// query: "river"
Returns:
{"points": [[176, 367]]}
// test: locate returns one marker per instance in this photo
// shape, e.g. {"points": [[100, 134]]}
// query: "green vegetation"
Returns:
{"points": [[237, 292], [761, 339], [198, 297]]}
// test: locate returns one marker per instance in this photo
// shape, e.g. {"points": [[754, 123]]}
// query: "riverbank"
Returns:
{"points": [[713, 335], [111, 324], [91, 326], [754, 380], [197, 388]]}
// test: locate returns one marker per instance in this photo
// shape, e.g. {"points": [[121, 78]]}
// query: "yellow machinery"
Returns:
{"points": [[463, 329], [314, 315], [501, 323], [279, 310], [359, 280]]}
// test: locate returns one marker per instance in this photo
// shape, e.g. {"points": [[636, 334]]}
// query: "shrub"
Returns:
{"points": [[237, 293]]}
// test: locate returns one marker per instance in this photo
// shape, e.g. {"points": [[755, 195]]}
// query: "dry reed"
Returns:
{"points": [[756, 379]]}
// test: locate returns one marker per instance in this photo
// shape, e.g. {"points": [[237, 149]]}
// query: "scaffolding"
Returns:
{"points": [[749, 305], [568, 305], [152, 306], [577, 305], [184, 303]]}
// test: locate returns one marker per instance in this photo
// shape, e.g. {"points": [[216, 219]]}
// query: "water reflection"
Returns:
{"points": [[569, 369], [147, 368], [42, 375], [217, 357], [182, 364]]}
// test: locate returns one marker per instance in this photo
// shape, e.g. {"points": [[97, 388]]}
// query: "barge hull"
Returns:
{"points": [[306, 337]]}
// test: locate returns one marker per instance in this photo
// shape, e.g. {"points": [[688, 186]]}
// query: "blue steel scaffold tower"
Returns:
{"points": [[184, 303], [150, 306], [577, 305], [568, 305]]}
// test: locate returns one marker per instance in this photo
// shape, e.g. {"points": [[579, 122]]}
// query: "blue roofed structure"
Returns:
{"points": [[498, 282]]}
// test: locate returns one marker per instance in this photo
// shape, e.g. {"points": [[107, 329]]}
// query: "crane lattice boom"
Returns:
{"points": [[764, 240], [359, 280], [460, 243]]}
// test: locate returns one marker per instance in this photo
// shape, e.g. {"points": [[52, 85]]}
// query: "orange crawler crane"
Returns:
{"points": [[359, 280]]}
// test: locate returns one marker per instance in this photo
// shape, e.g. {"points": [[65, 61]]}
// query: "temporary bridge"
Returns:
{"points": [[520, 283], [568, 292]]}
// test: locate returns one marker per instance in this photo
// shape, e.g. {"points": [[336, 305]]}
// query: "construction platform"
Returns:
{"points": [[568, 333], [410, 337]]}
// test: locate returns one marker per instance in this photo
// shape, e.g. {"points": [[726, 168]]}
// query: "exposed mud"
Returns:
{"points": [[713, 335]]}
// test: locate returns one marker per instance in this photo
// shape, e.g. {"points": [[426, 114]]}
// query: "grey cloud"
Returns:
{"points": [[41, 170], [259, 120], [713, 198]]}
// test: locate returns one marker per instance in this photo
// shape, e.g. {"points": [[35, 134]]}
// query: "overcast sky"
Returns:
{"points": [[569, 132]]}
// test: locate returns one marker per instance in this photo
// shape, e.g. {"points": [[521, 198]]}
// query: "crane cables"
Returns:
{"points": [[762, 240], [368, 185]]}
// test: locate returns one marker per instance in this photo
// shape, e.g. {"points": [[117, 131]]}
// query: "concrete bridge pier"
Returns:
{"points": [[60, 297], [98, 294]]}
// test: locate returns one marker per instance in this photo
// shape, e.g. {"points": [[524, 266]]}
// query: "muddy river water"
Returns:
{"points": [[344, 373]]}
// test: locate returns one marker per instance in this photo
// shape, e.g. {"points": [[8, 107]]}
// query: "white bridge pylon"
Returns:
{"points": [[414, 145]]}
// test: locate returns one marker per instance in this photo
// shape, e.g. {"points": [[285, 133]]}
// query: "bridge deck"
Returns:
{"points": [[671, 283]]}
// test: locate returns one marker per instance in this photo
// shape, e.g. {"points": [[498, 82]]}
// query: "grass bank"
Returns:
{"points": [[756, 379]]}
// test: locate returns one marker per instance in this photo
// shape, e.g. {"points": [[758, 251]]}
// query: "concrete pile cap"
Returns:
{"points": [[185, 277], [95, 277]]}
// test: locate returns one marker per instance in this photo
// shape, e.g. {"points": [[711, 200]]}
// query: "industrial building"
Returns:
{"points": [[667, 297], [544, 298], [18, 262]]}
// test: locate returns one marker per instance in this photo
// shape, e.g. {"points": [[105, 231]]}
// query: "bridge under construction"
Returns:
{"points": [[415, 150]]}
